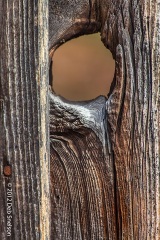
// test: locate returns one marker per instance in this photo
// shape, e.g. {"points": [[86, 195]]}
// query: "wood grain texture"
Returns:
{"points": [[43, 77], [131, 30], [133, 114], [23, 79], [82, 179], [71, 18]]}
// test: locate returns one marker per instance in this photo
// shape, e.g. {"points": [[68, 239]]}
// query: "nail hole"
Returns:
{"points": [[7, 170]]}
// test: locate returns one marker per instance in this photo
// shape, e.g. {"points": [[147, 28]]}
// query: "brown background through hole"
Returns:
{"points": [[82, 68]]}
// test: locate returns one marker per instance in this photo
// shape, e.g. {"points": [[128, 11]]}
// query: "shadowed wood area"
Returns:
{"points": [[24, 179], [108, 187]]}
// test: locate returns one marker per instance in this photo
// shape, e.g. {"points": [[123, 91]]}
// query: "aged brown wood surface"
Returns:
{"points": [[105, 184], [23, 120], [82, 181], [104, 153]]}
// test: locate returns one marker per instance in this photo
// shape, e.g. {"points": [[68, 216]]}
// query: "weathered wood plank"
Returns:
{"points": [[131, 30], [126, 171], [134, 104], [24, 74]]}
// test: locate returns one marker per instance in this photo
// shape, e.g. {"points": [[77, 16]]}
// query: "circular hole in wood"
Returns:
{"points": [[82, 69]]}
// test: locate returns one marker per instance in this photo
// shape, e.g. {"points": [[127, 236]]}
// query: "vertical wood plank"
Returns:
{"points": [[24, 129], [133, 114], [131, 30]]}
